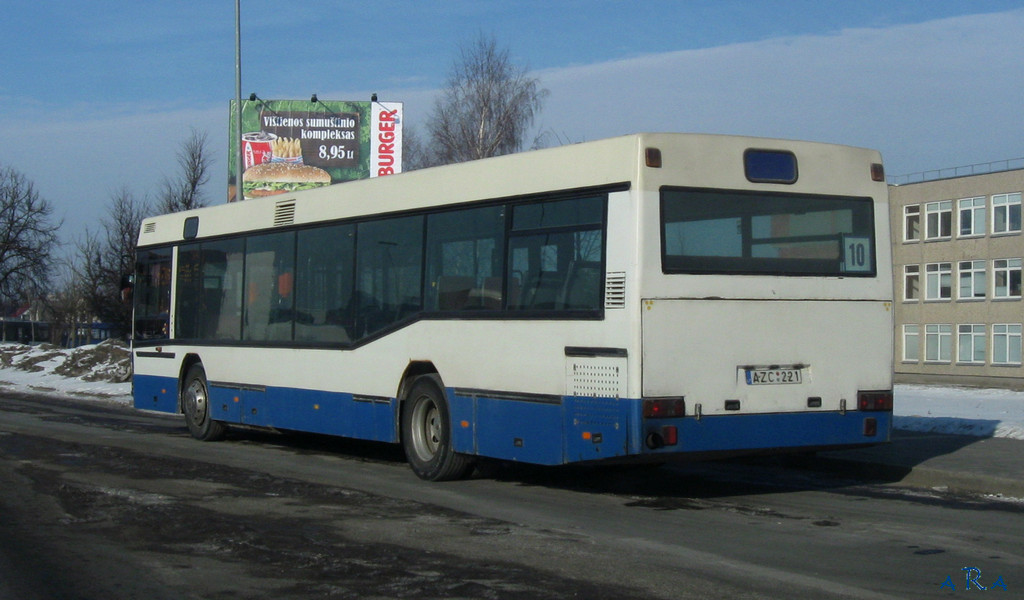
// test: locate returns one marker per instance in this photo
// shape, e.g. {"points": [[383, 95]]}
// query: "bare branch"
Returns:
{"points": [[487, 107], [28, 235], [185, 192]]}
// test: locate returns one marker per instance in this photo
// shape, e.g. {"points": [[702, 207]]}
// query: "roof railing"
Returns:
{"points": [[995, 166]]}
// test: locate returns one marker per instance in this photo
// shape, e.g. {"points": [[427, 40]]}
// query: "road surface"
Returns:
{"points": [[101, 502]]}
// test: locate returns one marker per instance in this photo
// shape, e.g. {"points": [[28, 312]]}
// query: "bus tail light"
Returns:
{"points": [[663, 408], [874, 401], [877, 172]]}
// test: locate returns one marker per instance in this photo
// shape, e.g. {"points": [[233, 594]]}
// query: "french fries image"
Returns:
{"points": [[286, 148]]}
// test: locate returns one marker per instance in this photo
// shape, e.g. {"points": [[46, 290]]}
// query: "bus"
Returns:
{"points": [[636, 299]]}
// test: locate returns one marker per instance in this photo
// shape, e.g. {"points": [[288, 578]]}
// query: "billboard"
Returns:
{"points": [[291, 145]]}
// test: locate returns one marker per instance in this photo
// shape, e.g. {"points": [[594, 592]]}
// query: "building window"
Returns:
{"points": [[972, 279], [1006, 344], [912, 223], [971, 344], [1006, 213], [938, 220], [911, 283], [911, 341], [938, 343], [1006, 277], [938, 281], [972, 216]]}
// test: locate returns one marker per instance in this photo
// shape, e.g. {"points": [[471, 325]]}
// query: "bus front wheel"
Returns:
{"points": [[195, 403], [427, 433]]}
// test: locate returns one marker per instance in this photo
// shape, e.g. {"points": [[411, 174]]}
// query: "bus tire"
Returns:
{"points": [[427, 433], [195, 404]]}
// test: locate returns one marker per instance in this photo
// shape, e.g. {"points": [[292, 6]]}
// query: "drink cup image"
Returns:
{"points": [[257, 148]]}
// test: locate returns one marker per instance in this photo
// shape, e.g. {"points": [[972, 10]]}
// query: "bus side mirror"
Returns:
{"points": [[127, 286]]}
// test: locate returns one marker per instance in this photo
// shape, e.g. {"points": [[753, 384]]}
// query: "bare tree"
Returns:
{"points": [[413, 152], [66, 304], [28, 235], [486, 109], [104, 259], [185, 192]]}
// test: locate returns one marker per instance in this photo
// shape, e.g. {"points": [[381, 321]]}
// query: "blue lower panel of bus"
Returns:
{"points": [[553, 432], [349, 415], [155, 393], [542, 430]]}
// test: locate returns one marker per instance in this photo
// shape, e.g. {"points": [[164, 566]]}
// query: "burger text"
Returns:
{"points": [[386, 149]]}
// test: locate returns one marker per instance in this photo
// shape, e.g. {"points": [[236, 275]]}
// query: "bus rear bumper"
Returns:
{"points": [[757, 433]]}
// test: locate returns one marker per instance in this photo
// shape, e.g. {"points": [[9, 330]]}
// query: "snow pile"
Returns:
{"points": [[99, 371], [102, 371]]}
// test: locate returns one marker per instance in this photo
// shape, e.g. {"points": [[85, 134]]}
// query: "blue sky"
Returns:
{"points": [[100, 95]]}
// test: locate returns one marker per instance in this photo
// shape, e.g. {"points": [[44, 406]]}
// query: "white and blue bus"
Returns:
{"points": [[640, 298]]}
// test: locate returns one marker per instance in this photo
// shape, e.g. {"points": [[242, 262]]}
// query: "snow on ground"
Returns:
{"points": [[967, 411], [100, 372]]}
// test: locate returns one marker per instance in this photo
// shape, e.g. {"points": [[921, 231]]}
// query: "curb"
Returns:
{"points": [[957, 482]]}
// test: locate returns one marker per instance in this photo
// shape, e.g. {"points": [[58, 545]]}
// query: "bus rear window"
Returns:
{"points": [[770, 166], [740, 232]]}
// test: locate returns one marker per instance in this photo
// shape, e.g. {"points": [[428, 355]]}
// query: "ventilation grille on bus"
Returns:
{"points": [[149, 228], [615, 290], [284, 213], [596, 377]]}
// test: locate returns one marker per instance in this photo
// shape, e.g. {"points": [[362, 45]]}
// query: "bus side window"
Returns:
{"points": [[209, 290], [464, 249], [269, 309], [151, 294], [324, 283], [556, 256], [389, 272]]}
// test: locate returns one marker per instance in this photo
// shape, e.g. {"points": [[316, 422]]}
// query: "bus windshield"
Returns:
{"points": [[739, 232]]}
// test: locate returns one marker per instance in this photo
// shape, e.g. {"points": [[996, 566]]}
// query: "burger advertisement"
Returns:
{"points": [[294, 145]]}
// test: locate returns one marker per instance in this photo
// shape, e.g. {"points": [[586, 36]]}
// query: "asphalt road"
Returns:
{"points": [[102, 502]]}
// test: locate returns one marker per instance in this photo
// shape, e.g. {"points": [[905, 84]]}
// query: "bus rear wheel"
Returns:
{"points": [[427, 433], [195, 403]]}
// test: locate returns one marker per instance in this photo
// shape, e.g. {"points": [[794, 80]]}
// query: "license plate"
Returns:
{"points": [[773, 376]]}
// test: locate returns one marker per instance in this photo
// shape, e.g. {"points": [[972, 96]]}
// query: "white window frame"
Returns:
{"points": [[974, 210], [974, 275], [1004, 208], [938, 343], [912, 223], [1006, 344], [938, 219], [1006, 268], [911, 273], [970, 345], [911, 343], [935, 275]]}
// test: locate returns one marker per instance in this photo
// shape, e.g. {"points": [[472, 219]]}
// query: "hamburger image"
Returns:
{"points": [[271, 178]]}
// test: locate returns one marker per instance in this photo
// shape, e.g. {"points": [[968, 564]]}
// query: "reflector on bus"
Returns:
{"points": [[770, 166]]}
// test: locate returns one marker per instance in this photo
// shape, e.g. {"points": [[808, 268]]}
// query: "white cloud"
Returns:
{"points": [[931, 95]]}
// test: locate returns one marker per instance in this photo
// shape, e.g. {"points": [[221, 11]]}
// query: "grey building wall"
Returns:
{"points": [[966, 310]]}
